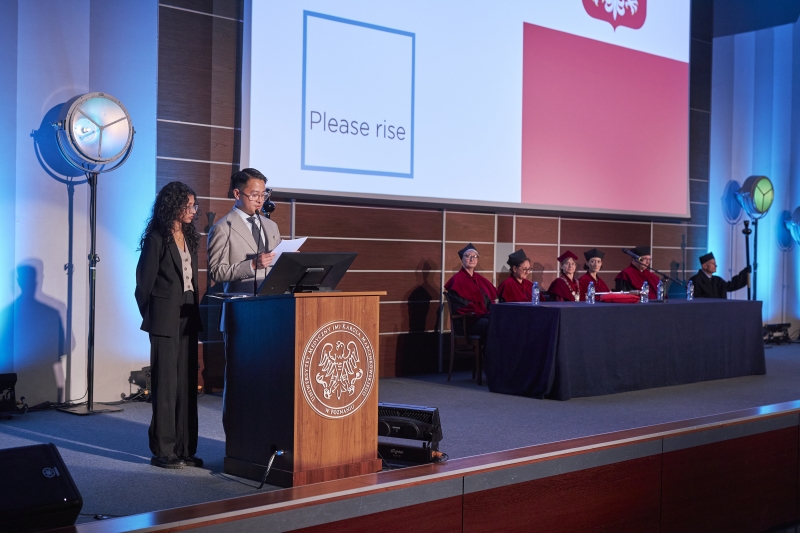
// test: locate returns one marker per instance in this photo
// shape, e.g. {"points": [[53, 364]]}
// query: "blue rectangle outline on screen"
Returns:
{"points": [[303, 165]]}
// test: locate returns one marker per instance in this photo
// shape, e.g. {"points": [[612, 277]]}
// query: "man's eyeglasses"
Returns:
{"points": [[192, 208], [255, 197]]}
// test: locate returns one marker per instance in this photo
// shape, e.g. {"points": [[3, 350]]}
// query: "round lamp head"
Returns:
{"points": [[756, 196], [94, 129]]}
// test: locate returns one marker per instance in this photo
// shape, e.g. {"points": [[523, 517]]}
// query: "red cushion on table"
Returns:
{"points": [[618, 298]]}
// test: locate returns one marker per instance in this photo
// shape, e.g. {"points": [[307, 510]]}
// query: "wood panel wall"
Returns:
{"points": [[407, 252]]}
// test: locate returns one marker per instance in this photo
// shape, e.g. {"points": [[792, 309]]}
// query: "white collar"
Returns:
{"points": [[244, 215]]}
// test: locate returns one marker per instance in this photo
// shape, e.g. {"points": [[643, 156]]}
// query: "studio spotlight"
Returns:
{"points": [[94, 133], [755, 196]]}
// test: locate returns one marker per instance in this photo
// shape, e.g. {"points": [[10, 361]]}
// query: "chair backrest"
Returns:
{"points": [[457, 322]]}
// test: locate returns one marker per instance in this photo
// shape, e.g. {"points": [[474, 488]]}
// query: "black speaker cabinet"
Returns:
{"points": [[37, 491]]}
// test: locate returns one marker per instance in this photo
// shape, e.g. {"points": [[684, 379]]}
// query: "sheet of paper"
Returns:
{"points": [[289, 245]]}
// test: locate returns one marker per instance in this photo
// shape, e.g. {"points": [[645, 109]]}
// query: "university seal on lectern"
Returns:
{"points": [[337, 370]]}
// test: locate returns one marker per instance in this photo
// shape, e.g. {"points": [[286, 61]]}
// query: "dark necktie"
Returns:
{"points": [[257, 237]]}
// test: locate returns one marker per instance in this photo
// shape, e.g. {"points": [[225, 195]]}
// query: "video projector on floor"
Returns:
{"points": [[411, 423]]}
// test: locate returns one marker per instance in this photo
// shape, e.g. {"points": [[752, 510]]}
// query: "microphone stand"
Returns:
{"points": [[266, 209], [258, 247], [747, 231]]}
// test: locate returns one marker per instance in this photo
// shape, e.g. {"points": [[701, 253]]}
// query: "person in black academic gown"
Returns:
{"points": [[707, 285], [469, 292], [516, 287]]}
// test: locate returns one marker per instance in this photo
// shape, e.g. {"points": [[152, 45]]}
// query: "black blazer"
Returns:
{"points": [[159, 288]]}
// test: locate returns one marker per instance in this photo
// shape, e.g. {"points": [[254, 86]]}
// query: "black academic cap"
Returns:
{"points": [[517, 258], [594, 252], [705, 258], [462, 251], [641, 250]]}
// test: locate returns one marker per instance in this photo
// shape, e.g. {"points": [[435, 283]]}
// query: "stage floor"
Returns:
{"points": [[109, 459]]}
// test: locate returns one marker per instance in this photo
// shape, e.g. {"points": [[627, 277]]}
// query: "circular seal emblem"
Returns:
{"points": [[337, 370], [48, 472]]}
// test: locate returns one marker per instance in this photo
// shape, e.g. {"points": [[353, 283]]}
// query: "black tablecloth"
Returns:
{"points": [[572, 349]]}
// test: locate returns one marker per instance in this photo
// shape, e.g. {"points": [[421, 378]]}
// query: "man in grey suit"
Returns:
{"points": [[240, 245]]}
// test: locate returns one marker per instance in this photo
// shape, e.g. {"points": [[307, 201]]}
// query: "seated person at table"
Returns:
{"points": [[469, 292], [565, 287], [516, 288], [594, 262], [707, 285], [634, 275]]}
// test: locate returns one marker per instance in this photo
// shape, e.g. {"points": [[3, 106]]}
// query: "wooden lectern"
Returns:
{"points": [[302, 376]]}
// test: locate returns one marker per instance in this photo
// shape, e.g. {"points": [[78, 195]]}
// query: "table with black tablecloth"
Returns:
{"points": [[565, 350]]}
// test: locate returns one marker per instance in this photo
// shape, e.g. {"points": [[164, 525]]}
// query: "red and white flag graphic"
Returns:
{"points": [[628, 13]]}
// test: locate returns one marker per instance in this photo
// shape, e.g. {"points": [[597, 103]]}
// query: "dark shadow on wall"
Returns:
{"points": [[537, 273], [420, 298], [37, 327], [53, 163], [417, 352]]}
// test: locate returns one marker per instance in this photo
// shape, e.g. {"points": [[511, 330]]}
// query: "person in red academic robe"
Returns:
{"points": [[634, 275], [565, 287], [516, 288], [594, 262], [469, 292]]}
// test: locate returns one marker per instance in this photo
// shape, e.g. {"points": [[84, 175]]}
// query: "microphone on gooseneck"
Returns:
{"points": [[630, 253], [256, 216]]}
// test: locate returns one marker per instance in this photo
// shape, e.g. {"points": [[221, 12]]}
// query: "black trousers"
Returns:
{"points": [[479, 327], [173, 378]]}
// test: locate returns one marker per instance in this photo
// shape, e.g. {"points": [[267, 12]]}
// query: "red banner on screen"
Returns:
{"points": [[603, 127], [629, 13]]}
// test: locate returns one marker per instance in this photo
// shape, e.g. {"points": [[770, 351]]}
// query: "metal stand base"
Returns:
{"points": [[83, 410]]}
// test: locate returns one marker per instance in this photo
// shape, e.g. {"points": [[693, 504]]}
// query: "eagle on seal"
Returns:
{"points": [[337, 368]]}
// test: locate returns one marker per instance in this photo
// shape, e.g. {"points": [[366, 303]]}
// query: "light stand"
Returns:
{"points": [[747, 231], [80, 137], [755, 196], [755, 259]]}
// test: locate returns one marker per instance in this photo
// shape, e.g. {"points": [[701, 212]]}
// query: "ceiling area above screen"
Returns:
{"points": [[579, 106]]}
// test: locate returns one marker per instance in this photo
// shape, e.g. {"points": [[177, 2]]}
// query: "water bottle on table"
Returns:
{"points": [[690, 290], [644, 294], [590, 293], [535, 293], [660, 291]]}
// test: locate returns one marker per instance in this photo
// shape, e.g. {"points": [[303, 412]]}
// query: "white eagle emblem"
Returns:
{"points": [[337, 368], [618, 7]]}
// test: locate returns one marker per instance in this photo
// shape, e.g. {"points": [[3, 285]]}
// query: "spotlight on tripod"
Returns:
{"points": [[94, 134]]}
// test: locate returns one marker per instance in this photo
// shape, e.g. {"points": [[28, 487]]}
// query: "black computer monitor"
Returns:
{"points": [[306, 272]]}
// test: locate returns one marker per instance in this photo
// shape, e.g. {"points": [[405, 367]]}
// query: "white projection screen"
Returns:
{"points": [[569, 105]]}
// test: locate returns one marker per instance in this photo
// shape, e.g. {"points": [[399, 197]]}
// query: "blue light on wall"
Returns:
{"points": [[751, 135]]}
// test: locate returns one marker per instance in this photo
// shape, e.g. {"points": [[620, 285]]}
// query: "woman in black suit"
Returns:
{"points": [[166, 292]]}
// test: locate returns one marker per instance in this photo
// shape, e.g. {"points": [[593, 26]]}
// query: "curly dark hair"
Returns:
{"points": [[168, 208]]}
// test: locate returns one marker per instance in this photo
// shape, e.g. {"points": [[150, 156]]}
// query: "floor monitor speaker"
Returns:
{"points": [[38, 492]]}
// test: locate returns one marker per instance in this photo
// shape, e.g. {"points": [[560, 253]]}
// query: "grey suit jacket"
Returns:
{"points": [[231, 248]]}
